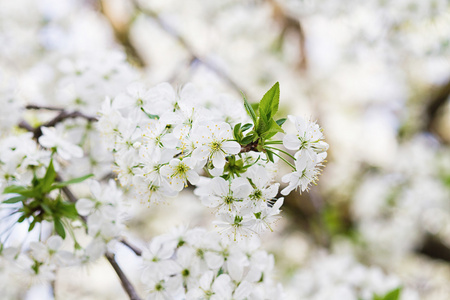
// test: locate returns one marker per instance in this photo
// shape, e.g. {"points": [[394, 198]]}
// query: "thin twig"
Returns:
{"points": [[194, 55], [63, 115], [122, 34], [290, 23], [133, 248], [35, 106], [126, 284]]}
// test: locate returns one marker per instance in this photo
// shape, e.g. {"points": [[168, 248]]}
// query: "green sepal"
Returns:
{"points": [[153, 117]]}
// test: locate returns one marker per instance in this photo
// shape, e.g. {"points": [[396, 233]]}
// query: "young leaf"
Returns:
{"points": [[248, 139], [249, 109], [246, 126], [72, 181], [59, 228], [392, 295], [269, 155], [49, 178], [268, 106], [33, 223], [236, 131], [15, 199], [14, 189], [273, 129], [21, 190], [280, 122]]}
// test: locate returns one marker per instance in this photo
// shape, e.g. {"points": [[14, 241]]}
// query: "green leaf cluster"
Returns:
{"points": [[262, 115], [37, 205]]}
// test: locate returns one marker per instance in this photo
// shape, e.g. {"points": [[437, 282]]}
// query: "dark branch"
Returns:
{"points": [[435, 103], [133, 248], [34, 106], [194, 56], [126, 284], [63, 115]]}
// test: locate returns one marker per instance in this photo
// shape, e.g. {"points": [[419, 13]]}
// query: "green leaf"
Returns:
{"points": [[33, 223], [59, 228], [246, 127], [280, 122], [269, 155], [237, 131], [15, 199], [268, 106], [21, 190], [249, 109], [392, 295], [46, 208], [14, 189], [49, 178], [68, 210], [248, 139], [72, 181], [273, 129]]}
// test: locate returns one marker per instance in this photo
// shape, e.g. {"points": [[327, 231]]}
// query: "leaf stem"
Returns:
{"points": [[283, 159], [282, 151]]}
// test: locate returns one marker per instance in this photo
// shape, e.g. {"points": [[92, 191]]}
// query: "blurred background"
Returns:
{"points": [[374, 74]]}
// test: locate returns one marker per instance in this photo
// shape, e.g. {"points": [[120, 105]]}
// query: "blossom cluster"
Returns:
{"points": [[322, 278], [164, 139], [195, 264]]}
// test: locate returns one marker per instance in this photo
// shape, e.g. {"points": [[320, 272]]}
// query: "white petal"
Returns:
{"points": [[192, 177], [84, 206], [54, 242], [218, 159], [291, 142], [231, 147]]}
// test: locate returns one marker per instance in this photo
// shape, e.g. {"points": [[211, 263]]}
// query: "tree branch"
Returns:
{"points": [[194, 56], [63, 115], [435, 103], [133, 248], [126, 284]]}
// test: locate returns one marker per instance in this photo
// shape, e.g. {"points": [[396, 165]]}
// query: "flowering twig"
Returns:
{"points": [[109, 256]]}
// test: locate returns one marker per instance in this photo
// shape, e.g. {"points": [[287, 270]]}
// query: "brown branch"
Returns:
{"points": [[289, 23], [122, 35], [63, 115], [435, 103], [34, 106], [126, 284], [133, 248], [194, 56]]}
